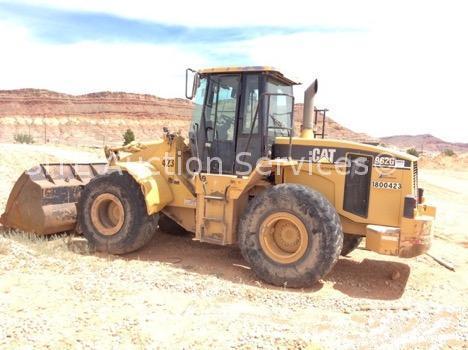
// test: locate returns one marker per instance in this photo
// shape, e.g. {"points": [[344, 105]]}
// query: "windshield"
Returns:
{"points": [[280, 111]]}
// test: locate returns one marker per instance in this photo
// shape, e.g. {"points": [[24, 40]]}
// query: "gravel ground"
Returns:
{"points": [[55, 294]]}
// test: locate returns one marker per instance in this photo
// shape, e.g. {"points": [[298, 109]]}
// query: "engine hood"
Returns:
{"points": [[333, 150]]}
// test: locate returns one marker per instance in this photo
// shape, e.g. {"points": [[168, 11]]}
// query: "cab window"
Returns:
{"points": [[280, 111], [220, 113], [250, 105]]}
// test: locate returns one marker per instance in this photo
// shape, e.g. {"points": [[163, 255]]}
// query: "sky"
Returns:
{"points": [[384, 67]]}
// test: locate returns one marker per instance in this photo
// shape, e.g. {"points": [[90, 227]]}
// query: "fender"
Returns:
{"points": [[153, 184]]}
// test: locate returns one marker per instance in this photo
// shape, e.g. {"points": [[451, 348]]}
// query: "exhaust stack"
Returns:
{"points": [[307, 130]]}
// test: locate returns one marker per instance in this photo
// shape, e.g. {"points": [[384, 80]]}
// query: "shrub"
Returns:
{"points": [[448, 152], [128, 137], [24, 138], [413, 152]]}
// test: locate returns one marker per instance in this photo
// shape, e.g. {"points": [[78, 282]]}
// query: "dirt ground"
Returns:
{"points": [[178, 293]]}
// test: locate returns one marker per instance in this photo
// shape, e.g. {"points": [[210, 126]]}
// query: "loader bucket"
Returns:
{"points": [[43, 200]]}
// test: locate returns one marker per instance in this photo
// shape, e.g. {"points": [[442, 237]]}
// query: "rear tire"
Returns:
{"points": [[112, 214], [290, 235], [167, 225], [350, 243]]}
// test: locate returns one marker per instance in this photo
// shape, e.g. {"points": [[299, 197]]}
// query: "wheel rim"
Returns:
{"points": [[107, 214], [283, 237]]}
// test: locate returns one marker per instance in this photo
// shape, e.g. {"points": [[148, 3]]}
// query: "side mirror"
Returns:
{"points": [[191, 76]]}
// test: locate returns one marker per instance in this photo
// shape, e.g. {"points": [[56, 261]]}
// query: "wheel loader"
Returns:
{"points": [[292, 204]]}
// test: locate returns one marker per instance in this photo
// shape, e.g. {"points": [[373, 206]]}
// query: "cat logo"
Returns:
{"points": [[322, 155]]}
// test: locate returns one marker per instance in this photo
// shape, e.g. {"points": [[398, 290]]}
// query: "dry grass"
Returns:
{"points": [[4, 246], [40, 244], [67, 247]]}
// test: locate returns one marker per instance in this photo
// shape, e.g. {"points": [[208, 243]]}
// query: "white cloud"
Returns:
{"points": [[89, 66]]}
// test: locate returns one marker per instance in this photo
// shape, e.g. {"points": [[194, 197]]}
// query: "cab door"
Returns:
{"points": [[219, 123], [249, 131]]}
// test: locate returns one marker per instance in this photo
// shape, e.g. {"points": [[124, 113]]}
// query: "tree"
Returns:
{"points": [[413, 152], [24, 138], [448, 152], [128, 137]]}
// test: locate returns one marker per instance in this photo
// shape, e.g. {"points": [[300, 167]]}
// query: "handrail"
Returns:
{"points": [[324, 114]]}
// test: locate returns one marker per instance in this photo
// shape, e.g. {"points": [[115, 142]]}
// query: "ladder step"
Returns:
{"points": [[215, 198], [216, 219], [213, 240]]}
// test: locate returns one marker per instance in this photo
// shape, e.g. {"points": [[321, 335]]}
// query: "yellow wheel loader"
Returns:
{"points": [[292, 204]]}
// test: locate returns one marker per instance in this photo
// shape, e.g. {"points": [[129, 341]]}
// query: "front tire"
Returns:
{"points": [[290, 235], [112, 214]]}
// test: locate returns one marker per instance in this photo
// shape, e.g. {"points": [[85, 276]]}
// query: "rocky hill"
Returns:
{"points": [[425, 143], [91, 119], [101, 118]]}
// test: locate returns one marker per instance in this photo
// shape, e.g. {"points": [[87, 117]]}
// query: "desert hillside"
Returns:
{"points": [[98, 118], [424, 143], [101, 118], [92, 119]]}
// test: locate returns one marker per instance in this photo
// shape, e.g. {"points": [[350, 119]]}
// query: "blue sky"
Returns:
{"points": [[61, 26], [68, 26], [378, 63]]}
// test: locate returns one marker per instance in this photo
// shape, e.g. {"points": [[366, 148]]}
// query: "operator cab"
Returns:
{"points": [[238, 113]]}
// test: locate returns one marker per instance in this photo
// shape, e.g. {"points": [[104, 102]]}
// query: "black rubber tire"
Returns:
{"points": [[138, 227], [350, 242], [167, 225], [323, 226]]}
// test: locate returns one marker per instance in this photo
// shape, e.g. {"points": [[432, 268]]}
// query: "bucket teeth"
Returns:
{"points": [[43, 199]]}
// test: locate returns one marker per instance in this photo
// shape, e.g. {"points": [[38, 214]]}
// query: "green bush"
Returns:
{"points": [[24, 138], [413, 152], [128, 137], [448, 152]]}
